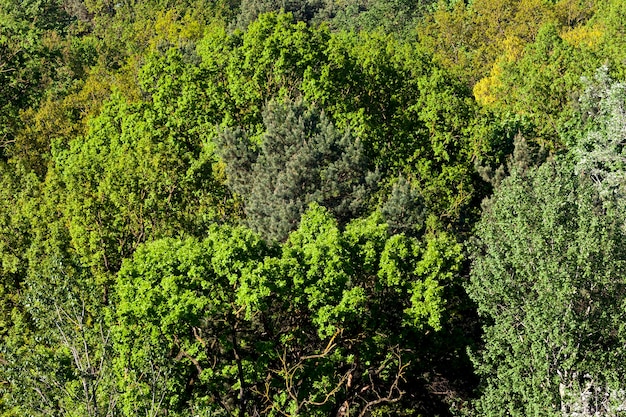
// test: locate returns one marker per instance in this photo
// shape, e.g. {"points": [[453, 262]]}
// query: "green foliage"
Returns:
{"points": [[145, 170], [409, 114], [58, 333], [181, 333], [396, 17], [301, 158], [607, 22], [599, 149], [404, 210], [547, 278], [302, 10], [540, 85], [230, 324], [135, 134], [18, 192], [25, 60], [69, 358], [269, 60]]}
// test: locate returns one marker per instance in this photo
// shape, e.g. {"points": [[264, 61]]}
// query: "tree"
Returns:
{"points": [[358, 304], [599, 150], [397, 17], [328, 321], [410, 115], [547, 277], [301, 158], [58, 332], [302, 10], [542, 84], [144, 170], [26, 61], [191, 343]]}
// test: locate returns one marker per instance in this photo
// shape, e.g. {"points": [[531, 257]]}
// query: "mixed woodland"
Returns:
{"points": [[312, 208]]}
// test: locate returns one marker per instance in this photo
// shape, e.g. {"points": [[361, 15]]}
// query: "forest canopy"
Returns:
{"points": [[312, 208]]}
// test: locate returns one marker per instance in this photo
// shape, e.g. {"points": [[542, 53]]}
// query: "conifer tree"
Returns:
{"points": [[301, 158]]}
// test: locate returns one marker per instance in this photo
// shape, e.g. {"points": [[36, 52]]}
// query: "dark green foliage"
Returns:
{"points": [[404, 210], [524, 157], [398, 17], [301, 158], [25, 60], [410, 115], [302, 10], [548, 279]]}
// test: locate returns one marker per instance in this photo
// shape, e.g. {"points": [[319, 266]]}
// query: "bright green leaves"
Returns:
{"points": [[438, 267], [180, 319], [18, 193], [278, 52], [158, 285], [230, 310], [422, 273], [268, 61], [137, 175], [175, 85], [360, 289], [345, 275], [321, 271]]}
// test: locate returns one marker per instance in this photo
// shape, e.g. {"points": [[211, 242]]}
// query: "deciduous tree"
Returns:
{"points": [[547, 277]]}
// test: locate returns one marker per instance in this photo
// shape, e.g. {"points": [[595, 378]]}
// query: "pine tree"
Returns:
{"points": [[301, 158]]}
